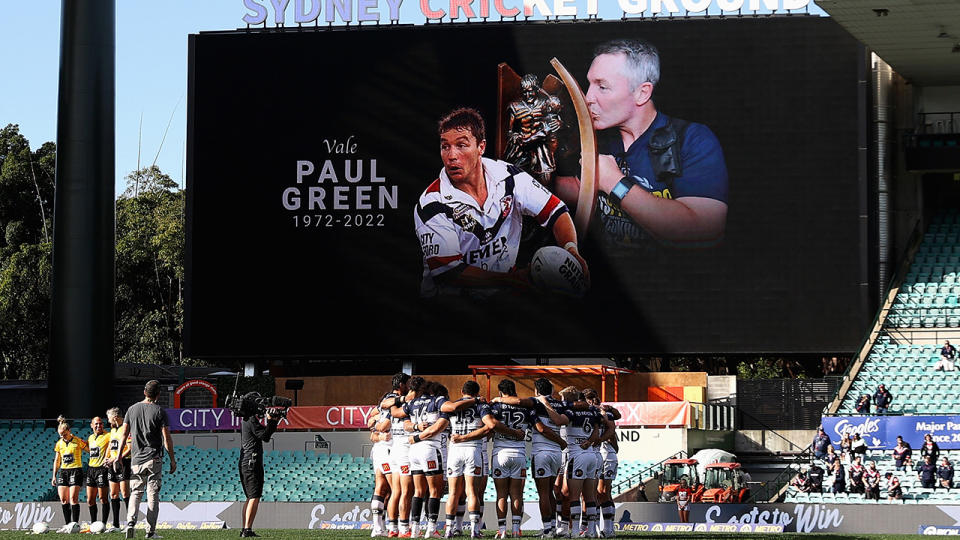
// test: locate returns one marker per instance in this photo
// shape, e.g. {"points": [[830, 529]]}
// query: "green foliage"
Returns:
{"points": [[25, 311], [149, 296], [761, 368]]}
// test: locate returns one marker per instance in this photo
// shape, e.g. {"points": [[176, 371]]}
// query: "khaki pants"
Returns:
{"points": [[145, 476]]}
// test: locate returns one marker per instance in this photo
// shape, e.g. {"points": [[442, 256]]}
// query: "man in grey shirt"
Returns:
{"points": [[146, 422]]}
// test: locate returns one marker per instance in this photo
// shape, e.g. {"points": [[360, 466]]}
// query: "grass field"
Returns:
{"points": [[294, 534]]}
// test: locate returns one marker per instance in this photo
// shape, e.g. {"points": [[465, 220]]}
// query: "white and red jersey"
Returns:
{"points": [[455, 230]]}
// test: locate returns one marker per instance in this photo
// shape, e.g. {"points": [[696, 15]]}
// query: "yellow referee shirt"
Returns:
{"points": [[70, 452], [115, 446], [99, 446]]}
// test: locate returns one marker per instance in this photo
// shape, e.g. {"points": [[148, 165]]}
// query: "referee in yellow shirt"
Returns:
{"points": [[68, 471], [97, 480], [119, 473]]}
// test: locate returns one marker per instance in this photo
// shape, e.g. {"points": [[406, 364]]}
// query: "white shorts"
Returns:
{"points": [[509, 464], [426, 459], [380, 455], [400, 459], [545, 464], [465, 461], [683, 506], [608, 469], [585, 466]]}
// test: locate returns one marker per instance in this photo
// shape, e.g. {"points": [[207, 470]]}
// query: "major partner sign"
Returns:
{"points": [[881, 432], [318, 224]]}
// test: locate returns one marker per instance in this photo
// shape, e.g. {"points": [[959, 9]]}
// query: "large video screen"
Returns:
{"points": [[712, 205]]}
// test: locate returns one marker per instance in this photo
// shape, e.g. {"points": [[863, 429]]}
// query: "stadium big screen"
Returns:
{"points": [[309, 150]]}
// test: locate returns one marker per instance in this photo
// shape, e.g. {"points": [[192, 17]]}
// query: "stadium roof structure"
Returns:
{"points": [[531, 371]]}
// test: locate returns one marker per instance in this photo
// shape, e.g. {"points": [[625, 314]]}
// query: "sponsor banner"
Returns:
{"points": [[648, 413], [353, 417], [697, 527], [881, 432], [346, 525], [939, 530], [216, 419]]}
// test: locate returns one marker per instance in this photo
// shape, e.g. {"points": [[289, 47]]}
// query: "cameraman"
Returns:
{"points": [[252, 436]]}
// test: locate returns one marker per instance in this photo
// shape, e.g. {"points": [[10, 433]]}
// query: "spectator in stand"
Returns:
{"points": [[894, 491], [882, 399], [820, 444], [901, 454], [801, 481], [858, 446], [815, 479], [830, 458], [856, 472], [945, 472], [846, 446], [948, 354], [839, 478], [930, 448], [927, 473], [863, 404], [871, 482]]}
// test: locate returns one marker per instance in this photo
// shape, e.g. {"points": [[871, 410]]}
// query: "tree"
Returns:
{"points": [[26, 190], [25, 312], [150, 243]]}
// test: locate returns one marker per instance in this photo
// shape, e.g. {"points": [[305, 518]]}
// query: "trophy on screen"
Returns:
{"points": [[530, 119]]}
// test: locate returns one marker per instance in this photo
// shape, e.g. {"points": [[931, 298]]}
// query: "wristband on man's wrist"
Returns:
{"points": [[569, 245], [620, 190], [416, 438]]}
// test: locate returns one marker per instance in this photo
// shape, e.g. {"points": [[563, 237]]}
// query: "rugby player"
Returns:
{"points": [[425, 422], [398, 507], [608, 462], [68, 472], [509, 461], [400, 452], [581, 432], [119, 473], [379, 422], [469, 220], [470, 421], [548, 446], [96, 478]]}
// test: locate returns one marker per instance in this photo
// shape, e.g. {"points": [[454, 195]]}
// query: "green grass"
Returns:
{"points": [[296, 534]]}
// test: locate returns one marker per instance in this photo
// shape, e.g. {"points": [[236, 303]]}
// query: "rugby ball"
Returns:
{"points": [[97, 527], [74, 527], [556, 270], [40, 527]]}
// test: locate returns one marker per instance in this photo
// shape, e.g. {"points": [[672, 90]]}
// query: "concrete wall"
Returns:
{"points": [[757, 440]]}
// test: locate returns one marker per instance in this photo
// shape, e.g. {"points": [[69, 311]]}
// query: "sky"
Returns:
{"points": [[151, 64]]}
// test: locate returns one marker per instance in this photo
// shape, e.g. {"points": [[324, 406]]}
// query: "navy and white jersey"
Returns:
{"points": [[398, 435], [425, 410], [443, 436], [606, 449], [581, 426], [467, 420], [541, 443], [385, 415], [454, 230], [513, 417]]}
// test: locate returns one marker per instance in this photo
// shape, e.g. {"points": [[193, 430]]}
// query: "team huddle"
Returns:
{"points": [[426, 444], [107, 475]]}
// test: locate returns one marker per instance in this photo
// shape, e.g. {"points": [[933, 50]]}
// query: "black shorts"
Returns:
{"points": [[70, 477], [96, 477], [119, 471], [251, 477]]}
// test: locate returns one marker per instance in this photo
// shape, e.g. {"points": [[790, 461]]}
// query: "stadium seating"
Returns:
{"points": [[913, 493], [211, 474]]}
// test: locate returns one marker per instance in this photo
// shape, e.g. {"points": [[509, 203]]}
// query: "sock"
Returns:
{"points": [[66, 512], [416, 508], [75, 513], [433, 510], [591, 517], [115, 505], [93, 511], [126, 504], [548, 524], [450, 518], [516, 522], [376, 508], [404, 526], [574, 515], [501, 525], [106, 511], [609, 509], [474, 522], [391, 525]]}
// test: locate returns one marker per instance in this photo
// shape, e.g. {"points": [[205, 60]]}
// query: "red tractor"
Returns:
{"points": [[725, 483], [673, 471]]}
